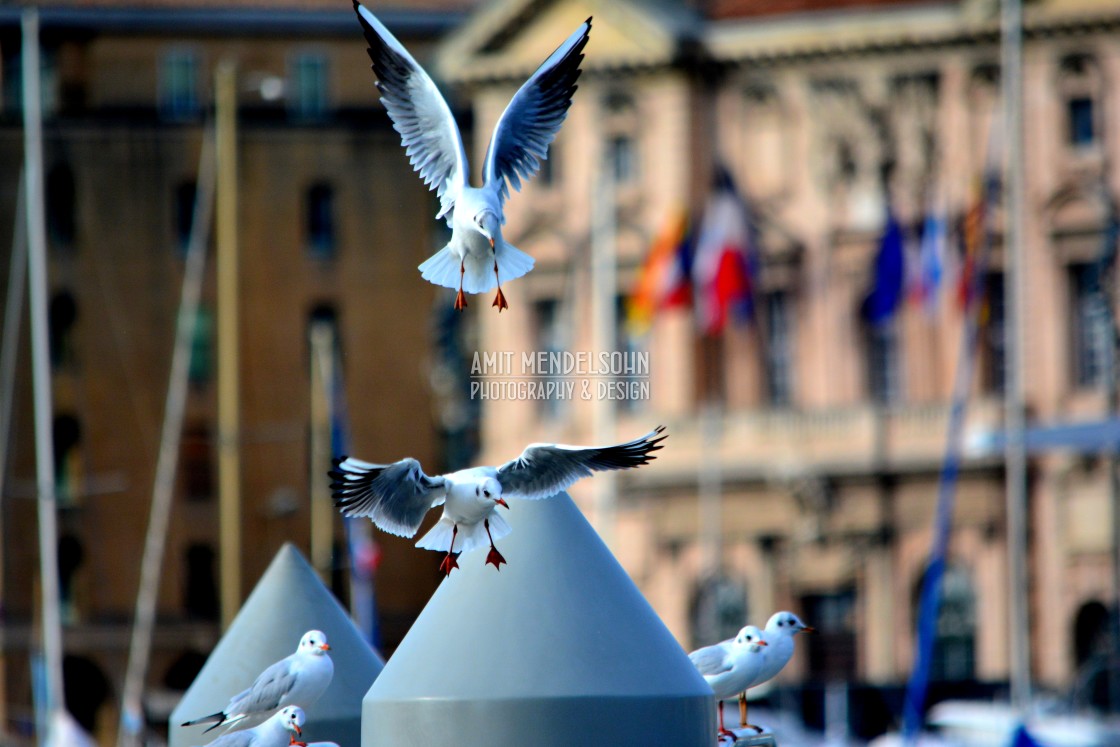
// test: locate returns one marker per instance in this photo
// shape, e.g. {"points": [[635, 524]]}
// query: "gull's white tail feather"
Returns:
{"points": [[442, 268], [470, 535], [479, 277], [512, 264]]}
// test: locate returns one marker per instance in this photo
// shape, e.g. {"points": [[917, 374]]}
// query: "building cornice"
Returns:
{"points": [[241, 22], [892, 32]]}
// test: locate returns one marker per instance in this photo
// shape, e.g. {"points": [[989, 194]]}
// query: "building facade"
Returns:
{"points": [[332, 225], [820, 435]]}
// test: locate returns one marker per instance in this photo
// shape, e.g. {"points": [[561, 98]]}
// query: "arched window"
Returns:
{"points": [[983, 107], [319, 223], [87, 687], [1090, 632], [61, 316], [1081, 85], [201, 600], [718, 610], [71, 554], [184, 212], [196, 455], [1092, 646], [954, 653], [67, 438], [61, 198], [620, 126]]}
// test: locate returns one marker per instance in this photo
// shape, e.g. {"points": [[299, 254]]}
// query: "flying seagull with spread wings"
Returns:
{"points": [[477, 258], [397, 496]]}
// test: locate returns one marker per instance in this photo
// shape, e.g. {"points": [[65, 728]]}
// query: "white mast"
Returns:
{"points": [[41, 364]]}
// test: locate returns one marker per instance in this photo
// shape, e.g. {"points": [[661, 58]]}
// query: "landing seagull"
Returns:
{"points": [[477, 258], [278, 731], [397, 496], [730, 667], [297, 679]]}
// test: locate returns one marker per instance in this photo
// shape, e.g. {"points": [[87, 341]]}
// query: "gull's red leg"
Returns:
{"points": [[452, 559], [743, 723], [495, 558], [460, 299], [500, 298], [723, 732]]}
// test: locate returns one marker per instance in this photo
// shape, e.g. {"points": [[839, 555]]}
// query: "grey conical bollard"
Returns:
{"points": [[288, 601], [559, 648]]}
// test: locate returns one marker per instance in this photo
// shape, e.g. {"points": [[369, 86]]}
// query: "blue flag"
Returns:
{"points": [[362, 548], [890, 276], [1022, 738]]}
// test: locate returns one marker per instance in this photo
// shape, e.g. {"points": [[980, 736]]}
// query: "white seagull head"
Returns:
{"points": [[313, 642], [490, 490], [750, 636], [292, 718], [787, 623], [488, 224]]}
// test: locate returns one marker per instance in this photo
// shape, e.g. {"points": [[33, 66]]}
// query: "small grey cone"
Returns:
{"points": [[559, 648], [288, 601]]}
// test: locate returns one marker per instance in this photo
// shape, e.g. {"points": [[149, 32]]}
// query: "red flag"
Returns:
{"points": [[721, 272]]}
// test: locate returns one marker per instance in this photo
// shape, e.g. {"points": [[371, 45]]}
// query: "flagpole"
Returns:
{"points": [[40, 365], [322, 513], [604, 313], [1015, 392]]}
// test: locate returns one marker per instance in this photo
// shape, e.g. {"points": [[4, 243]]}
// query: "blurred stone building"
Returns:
{"points": [[333, 223], [829, 433]]}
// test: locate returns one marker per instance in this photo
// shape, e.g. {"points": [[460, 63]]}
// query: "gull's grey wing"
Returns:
{"points": [[545, 469], [533, 117], [710, 660], [395, 496], [419, 113], [265, 692], [236, 739]]}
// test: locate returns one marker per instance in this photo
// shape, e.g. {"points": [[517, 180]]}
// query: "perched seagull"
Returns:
{"points": [[397, 496], [296, 680], [730, 667], [779, 632], [278, 731], [477, 258]]}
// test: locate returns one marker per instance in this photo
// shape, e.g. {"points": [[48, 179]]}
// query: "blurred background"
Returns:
{"points": [[793, 210]]}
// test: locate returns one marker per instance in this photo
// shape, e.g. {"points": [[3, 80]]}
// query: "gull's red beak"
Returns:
{"points": [[299, 731], [501, 502], [325, 647], [763, 643], [807, 629]]}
